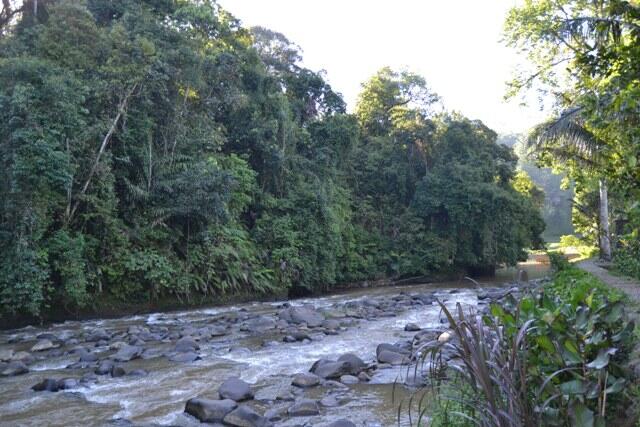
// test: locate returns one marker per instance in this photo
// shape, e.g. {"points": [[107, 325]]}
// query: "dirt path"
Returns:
{"points": [[627, 285]]}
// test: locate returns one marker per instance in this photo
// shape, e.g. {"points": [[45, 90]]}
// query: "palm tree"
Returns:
{"points": [[567, 138]]}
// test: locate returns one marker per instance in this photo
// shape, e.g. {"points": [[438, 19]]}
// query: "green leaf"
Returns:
{"points": [[573, 387], [616, 386], [545, 342], [602, 359], [616, 311], [581, 416]]}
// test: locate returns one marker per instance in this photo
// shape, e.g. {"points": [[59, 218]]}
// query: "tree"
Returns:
{"points": [[566, 139], [584, 53]]}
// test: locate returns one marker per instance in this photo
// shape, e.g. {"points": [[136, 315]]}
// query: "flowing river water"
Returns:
{"points": [[257, 355]]}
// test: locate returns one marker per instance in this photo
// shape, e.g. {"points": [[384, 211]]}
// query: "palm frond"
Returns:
{"points": [[566, 138]]}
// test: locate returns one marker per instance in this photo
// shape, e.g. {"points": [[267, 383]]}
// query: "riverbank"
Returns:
{"points": [[110, 307]]}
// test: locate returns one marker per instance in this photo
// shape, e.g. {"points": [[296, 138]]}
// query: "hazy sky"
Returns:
{"points": [[455, 45]]}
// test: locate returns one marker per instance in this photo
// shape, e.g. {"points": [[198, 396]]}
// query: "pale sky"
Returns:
{"points": [[455, 45]]}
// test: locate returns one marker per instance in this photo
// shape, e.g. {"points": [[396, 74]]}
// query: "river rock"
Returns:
{"points": [[235, 389], [329, 369], [14, 368], [305, 314], [342, 423], [138, 373], [127, 353], [392, 358], [6, 355], [329, 402], [186, 345], [349, 379], [258, 324], [47, 384], [104, 367], [304, 408], [276, 413], [244, 416], [67, 383], [411, 327], [209, 411], [43, 344], [362, 376], [98, 334], [118, 371], [86, 356], [24, 357], [184, 357], [331, 324], [279, 391], [305, 379], [355, 364]]}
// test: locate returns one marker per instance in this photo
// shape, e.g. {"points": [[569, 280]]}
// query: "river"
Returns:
{"points": [[250, 347]]}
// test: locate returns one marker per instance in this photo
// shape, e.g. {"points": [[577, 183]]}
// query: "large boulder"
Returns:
{"points": [[209, 411], [330, 369], [356, 365], [244, 416], [392, 358], [304, 408], [304, 314], [235, 389], [127, 353]]}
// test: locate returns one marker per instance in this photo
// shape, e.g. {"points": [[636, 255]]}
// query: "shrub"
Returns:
{"points": [[554, 357]]}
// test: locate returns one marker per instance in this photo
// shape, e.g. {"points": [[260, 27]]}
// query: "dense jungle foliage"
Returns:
{"points": [[158, 149]]}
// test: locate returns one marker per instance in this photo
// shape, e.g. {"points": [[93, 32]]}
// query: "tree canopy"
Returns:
{"points": [[158, 149]]}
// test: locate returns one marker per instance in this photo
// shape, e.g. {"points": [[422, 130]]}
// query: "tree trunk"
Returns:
{"points": [[605, 238]]}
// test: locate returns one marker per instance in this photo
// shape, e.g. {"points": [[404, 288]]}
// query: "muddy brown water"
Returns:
{"points": [[159, 398]]}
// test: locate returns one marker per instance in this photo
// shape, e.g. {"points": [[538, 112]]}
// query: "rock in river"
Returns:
{"points": [[356, 365], [305, 379], [127, 353], [304, 408], [244, 416], [330, 369], [209, 411], [14, 368], [43, 344], [186, 345], [342, 423], [235, 389], [411, 327], [304, 314]]}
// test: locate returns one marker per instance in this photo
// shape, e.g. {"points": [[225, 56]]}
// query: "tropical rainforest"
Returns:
{"points": [[158, 149]]}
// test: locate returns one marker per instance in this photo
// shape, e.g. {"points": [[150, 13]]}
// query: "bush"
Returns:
{"points": [[569, 241], [627, 259], [556, 355], [558, 261]]}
